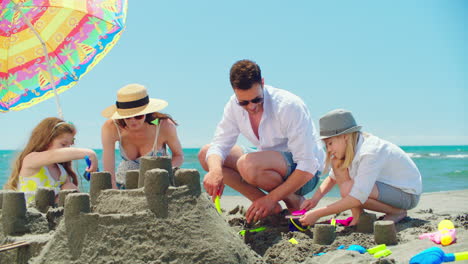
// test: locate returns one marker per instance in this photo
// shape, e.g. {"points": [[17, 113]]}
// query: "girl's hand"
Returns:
{"points": [[309, 204], [309, 218], [94, 162]]}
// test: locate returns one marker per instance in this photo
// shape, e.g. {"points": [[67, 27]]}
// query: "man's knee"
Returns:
{"points": [[202, 156], [247, 168]]}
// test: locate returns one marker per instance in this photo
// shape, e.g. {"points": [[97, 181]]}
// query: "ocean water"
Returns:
{"points": [[443, 168]]}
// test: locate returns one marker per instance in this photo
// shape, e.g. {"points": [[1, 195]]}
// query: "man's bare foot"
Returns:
{"points": [[294, 201], [396, 217]]}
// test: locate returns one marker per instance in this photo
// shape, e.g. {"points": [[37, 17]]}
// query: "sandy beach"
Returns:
{"points": [[432, 208], [184, 227]]}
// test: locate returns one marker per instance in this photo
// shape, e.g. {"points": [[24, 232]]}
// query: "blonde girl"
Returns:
{"points": [[371, 173], [46, 159]]}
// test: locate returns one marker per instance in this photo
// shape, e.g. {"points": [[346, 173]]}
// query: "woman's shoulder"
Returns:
{"points": [[168, 130], [167, 124], [109, 124], [109, 128]]}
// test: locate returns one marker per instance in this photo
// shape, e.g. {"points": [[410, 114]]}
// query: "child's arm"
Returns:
{"points": [[324, 188], [35, 160], [343, 204]]}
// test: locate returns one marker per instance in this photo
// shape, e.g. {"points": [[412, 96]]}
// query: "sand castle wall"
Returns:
{"points": [[19, 224], [166, 219]]}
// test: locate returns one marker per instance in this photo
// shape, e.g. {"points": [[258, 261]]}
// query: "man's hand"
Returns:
{"points": [[213, 183], [309, 204], [260, 208], [309, 218]]}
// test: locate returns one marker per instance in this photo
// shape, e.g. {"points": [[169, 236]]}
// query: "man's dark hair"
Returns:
{"points": [[244, 74]]}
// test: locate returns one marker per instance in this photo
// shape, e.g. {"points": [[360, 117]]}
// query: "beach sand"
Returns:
{"points": [[121, 229], [274, 246]]}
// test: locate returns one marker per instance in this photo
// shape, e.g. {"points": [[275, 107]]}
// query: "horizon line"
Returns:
{"points": [[463, 145]]}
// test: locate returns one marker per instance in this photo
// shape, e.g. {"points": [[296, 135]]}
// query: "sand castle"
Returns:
{"points": [[162, 217]]}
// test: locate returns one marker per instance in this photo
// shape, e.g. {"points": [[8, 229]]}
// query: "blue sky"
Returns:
{"points": [[401, 67]]}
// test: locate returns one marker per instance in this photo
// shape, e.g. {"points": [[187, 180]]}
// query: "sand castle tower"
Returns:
{"points": [[162, 217]]}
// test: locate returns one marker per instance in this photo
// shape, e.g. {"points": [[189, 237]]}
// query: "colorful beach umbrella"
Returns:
{"points": [[46, 46]]}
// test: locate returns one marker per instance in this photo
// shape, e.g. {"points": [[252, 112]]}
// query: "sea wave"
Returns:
{"points": [[458, 156], [437, 155], [457, 173]]}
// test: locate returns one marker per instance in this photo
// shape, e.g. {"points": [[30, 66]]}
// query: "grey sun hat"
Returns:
{"points": [[337, 122]]}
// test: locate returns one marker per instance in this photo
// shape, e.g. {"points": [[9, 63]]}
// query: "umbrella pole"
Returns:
{"points": [[49, 68]]}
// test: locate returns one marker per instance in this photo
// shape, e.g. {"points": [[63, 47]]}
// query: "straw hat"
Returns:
{"points": [[337, 122], [133, 100]]}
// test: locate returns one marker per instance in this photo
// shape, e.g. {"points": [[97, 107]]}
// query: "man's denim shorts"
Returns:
{"points": [[291, 166]]}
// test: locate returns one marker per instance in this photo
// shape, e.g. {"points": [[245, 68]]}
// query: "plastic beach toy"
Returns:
{"points": [[376, 249], [343, 222], [357, 248], [218, 204], [379, 251], [293, 241], [383, 253], [294, 224], [435, 255], [299, 212], [445, 235], [256, 230], [447, 231], [86, 174]]}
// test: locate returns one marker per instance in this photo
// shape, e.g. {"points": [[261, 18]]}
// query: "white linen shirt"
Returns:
{"points": [[286, 126], [379, 160]]}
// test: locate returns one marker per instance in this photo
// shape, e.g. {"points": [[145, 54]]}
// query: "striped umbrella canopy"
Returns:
{"points": [[46, 46]]}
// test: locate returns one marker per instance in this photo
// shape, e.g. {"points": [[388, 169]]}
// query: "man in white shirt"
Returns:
{"points": [[289, 155]]}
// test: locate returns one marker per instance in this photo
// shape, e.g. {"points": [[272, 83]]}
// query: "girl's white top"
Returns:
{"points": [[380, 160]]}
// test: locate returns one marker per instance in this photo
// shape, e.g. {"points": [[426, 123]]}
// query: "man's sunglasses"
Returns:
{"points": [[138, 117], [256, 100]]}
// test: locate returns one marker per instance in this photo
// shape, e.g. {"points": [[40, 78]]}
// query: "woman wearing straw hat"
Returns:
{"points": [[141, 130], [371, 173]]}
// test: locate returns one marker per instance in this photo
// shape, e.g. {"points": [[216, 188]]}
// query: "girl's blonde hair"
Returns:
{"points": [[41, 137], [350, 150]]}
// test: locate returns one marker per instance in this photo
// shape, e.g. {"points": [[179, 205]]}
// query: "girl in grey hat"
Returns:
{"points": [[371, 173]]}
